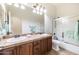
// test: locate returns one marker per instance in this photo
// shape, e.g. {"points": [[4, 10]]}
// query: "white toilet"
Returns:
{"points": [[56, 45]]}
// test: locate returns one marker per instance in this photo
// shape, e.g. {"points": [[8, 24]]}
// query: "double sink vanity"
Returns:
{"points": [[37, 44]]}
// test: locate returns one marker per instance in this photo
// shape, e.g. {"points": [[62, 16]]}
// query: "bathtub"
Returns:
{"points": [[67, 46]]}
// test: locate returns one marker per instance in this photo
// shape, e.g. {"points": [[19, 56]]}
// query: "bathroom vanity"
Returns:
{"points": [[38, 44]]}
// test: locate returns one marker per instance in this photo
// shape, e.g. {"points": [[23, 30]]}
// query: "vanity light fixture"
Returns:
{"points": [[38, 12], [34, 11], [45, 10], [39, 9]]}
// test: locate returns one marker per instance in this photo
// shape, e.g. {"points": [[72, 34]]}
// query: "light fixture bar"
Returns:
{"points": [[39, 9]]}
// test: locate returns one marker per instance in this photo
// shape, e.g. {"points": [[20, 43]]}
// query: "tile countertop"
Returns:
{"points": [[20, 40]]}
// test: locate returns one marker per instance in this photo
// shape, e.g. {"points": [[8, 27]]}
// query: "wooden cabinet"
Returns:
{"points": [[26, 49], [43, 46], [7, 51], [16, 50], [36, 47], [46, 45], [49, 44]]}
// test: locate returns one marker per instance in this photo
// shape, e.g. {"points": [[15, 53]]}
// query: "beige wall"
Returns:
{"points": [[48, 24], [49, 17], [51, 10], [67, 9], [16, 25]]}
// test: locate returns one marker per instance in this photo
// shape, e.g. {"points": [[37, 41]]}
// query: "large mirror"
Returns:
{"points": [[20, 19], [4, 20]]}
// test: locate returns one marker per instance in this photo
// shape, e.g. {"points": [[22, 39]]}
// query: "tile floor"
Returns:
{"points": [[60, 52]]}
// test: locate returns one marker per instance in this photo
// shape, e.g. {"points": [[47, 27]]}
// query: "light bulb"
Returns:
{"points": [[34, 11], [16, 5], [45, 10], [37, 7], [22, 7], [41, 9], [38, 12]]}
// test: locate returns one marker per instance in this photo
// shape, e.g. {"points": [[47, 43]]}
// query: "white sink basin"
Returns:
{"points": [[11, 41], [16, 39], [2, 43], [22, 37], [28, 36]]}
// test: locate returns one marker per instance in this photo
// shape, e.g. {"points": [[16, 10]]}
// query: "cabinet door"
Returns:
{"points": [[26, 49], [49, 44], [16, 50], [44, 46], [8, 51], [30, 48], [36, 49]]}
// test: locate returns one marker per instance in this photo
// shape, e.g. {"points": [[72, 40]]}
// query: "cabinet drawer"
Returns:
{"points": [[49, 44], [36, 47], [36, 43], [26, 49]]}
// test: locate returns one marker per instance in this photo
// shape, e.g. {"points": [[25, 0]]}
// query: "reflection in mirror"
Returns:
{"points": [[4, 20]]}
